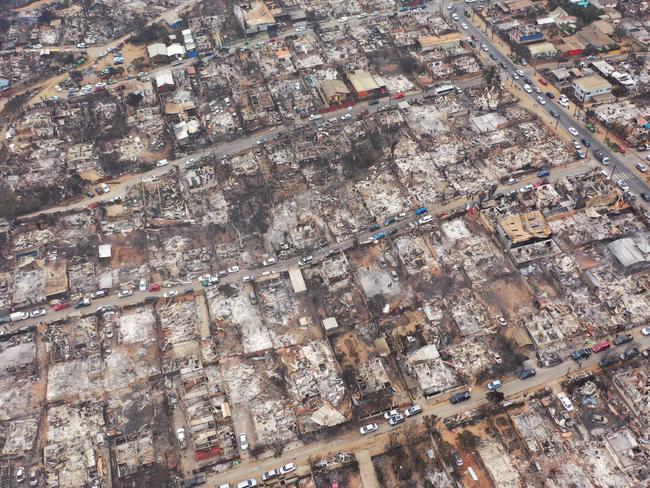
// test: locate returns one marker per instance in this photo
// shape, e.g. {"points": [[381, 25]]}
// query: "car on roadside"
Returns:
{"points": [[373, 102], [622, 339], [343, 19], [645, 331], [528, 89], [390, 413], [543, 172], [464, 26], [641, 167], [576, 145], [515, 76], [645, 196], [608, 361], [526, 188], [60, 306], [601, 346], [425, 220], [20, 474], [34, 474], [170, 293], [98, 294], [460, 397], [399, 96], [269, 475], [413, 410], [366, 429], [262, 140], [622, 184], [396, 419], [573, 131], [520, 73], [494, 385], [541, 100], [250, 483], [554, 114], [269, 262], [455, 16], [580, 354], [581, 154], [287, 468], [124, 293], [527, 373], [39, 312], [629, 353], [564, 102], [585, 142], [233, 269], [549, 95]]}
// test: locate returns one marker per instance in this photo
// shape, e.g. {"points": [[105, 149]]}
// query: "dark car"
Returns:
{"points": [[188, 291], [645, 196], [585, 142], [622, 339], [527, 80], [90, 194], [374, 227], [460, 397], [608, 361], [550, 95], [527, 373], [629, 354], [494, 58], [581, 354], [543, 172], [554, 114], [599, 154], [373, 102], [502, 64]]}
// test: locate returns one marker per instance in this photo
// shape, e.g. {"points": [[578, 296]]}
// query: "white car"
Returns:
{"points": [[520, 73], [251, 483], [124, 293], [413, 410], [541, 100], [450, 6], [143, 285], [301, 28], [645, 331], [243, 442], [269, 475], [39, 312], [248, 279], [623, 185], [425, 220], [494, 385], [397, 419], [515, 76], [484, 47], [368, 428], [455, 16], [528, 89], [287, 468], [641, 167], [233, 269], [526, 188], [573, 131], [343, 19], [269, 262], [162, 162], [362, 15], [536, 89], [391, 413], [576, 145], [564, 102], [170, 293], [464, 26]]}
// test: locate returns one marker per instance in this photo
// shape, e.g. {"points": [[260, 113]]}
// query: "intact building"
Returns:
{"points": [[446, 41], [589, 87], [365, 85], [335, 92]]}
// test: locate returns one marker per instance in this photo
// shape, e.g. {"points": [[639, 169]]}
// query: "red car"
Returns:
{"points": [[154, 287], [601, 347], [60, 306], [543, 81], [399, 95], [538, 183]]}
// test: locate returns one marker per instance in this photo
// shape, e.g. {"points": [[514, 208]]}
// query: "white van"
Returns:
{"points": [[105, 188]]}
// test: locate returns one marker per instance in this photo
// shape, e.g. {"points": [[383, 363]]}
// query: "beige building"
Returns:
{"points": [[589, 87], [447, 41]]}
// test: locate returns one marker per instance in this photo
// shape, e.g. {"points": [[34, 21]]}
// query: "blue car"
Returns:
{"points": [[543, 172], [421, 211], [585, 142], [379, 235]]}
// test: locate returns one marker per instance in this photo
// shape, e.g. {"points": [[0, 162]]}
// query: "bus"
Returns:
{"points": [[444, 89]]}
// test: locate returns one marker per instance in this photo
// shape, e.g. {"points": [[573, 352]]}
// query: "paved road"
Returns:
{"points": [[621, 167], [352, 441]]}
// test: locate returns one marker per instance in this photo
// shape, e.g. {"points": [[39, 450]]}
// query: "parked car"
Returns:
{"points": [[622, 339], [154, 287], [397, 419], [554, 114], [34, 475], [390, 413], [269, 475], [601, 346], [399, 96], [573, 131], [39, 312], [20, 474], [543, 172], [287, 468], [541, 100], [608, 361], [98, 294], [585, 142], [460, 397], [170, 293], [549, 95], [373, 102], [182, 439], [526, 188], [494, 385], [458, 459], [233, 269], [629, 354], [124, 293], [251, 483], [645, 196], [641, 167], [645, 331], [82, 302], [580, 354], [60, 306], [622, 184], [425, 220], [413, 410], [269, 262], [421, 211], [368, 428], [143, 284], [243, 442], [527, 373]]}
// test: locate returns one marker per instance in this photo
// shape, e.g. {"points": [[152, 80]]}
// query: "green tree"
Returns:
{"points": [[9, 203], [467, 440]]}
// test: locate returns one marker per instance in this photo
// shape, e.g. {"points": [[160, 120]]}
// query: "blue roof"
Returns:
{"points": [[4, 83]]}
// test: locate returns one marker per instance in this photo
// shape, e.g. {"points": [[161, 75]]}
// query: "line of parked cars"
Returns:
{"points": [[394, 417]]}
